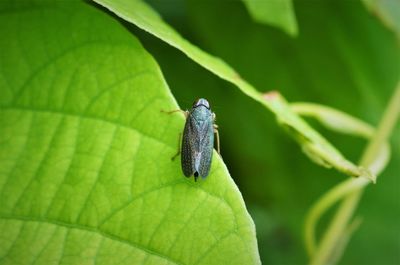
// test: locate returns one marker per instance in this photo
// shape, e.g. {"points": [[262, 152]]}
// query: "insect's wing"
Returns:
{"points": [[206, 147], [197, 147], [188, 147]]}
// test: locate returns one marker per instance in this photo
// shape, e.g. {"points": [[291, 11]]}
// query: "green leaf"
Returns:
{"points": [[313, 144], [279, 13], [85, 161]]}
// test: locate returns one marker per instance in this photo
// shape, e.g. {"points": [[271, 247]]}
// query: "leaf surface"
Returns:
{"points": [[86, 175]]}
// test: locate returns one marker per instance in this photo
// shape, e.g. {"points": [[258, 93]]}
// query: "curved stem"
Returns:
{"points": [[346, 209], [323, 204], [343, 123]]}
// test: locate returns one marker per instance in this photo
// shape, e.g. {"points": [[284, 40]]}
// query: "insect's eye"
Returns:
{"points": [[201, 102]]}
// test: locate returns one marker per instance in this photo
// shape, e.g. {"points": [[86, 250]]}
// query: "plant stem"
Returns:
{"points": [[347, 207], [340, 122], [323, 204], [384, 129]]}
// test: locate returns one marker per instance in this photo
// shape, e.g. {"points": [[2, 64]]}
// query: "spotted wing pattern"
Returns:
{"points": [[206, 148], [188, 147], [197, 147]]}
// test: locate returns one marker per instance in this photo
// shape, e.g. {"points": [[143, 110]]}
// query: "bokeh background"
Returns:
{"points": [[343, 57]]}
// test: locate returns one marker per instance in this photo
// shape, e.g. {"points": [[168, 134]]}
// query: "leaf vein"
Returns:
{"points": [[85, 116], [41, 163], [86, 201], [69, 226]]}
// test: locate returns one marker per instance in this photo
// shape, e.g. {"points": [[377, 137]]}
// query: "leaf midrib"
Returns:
{"points": [[89, 117]]}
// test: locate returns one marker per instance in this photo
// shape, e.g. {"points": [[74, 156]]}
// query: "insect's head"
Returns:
{"points": [[201, 102]]}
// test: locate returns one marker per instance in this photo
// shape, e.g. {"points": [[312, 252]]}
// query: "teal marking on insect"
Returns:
{"points": [[198, 140]]}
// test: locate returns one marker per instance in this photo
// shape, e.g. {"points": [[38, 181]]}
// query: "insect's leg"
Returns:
{"points": [[185, 112], [179, 147], [217, 134]]}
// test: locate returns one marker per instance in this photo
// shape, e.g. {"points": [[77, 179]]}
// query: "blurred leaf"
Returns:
{"points": [[333, 119], [388, 11], [279, 13], [313, 144], [85, 159]]}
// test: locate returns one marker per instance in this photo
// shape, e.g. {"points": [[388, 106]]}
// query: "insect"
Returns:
{"points": [[198, 140]]}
